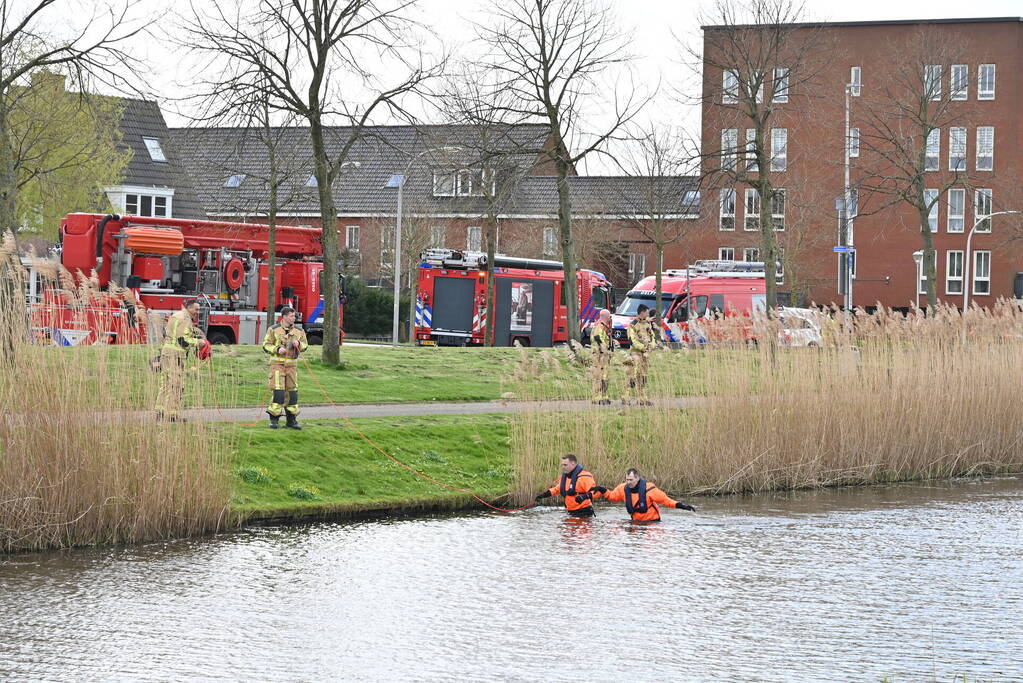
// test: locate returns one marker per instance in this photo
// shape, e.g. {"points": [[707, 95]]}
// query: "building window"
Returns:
{"points": [[854, 142], [957, 149], [352, 237], [956, 209], [637, 267], [960, 81], [691, 203], [312, 182], [726, 253], [981, 272], [727, 210], [752, 219], [751, 151], [931, 201], [154, 149], [387, 247], [986, 82], [932, 81], [751, 254], [780, 93], [854, 81], [443, 184], [921, 275], [932, 159], [756, 78], [437, 235], [474, 238], [779, 149], [154, 206], [729, 86], [778, 209], [235, 180], [729, 148], [985, 148], [476, 183], [953, 272], [982, 210], [550, 241]]}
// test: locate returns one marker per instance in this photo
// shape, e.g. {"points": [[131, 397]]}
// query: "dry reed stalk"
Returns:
{"points": [[77, 465], [887, 398]]}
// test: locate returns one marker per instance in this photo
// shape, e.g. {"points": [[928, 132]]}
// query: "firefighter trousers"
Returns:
{"points": [[600, 363], [284, 389], [637, 370], [172, 382]]}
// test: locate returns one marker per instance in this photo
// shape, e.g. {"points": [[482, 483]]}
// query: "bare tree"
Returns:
{"points": [[759, 64], [312, 58], [547, 58]]}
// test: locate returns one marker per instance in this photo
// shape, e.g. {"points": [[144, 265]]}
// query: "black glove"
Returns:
{"points": [[599, 489], [683, 506], [545, 494], [581, 497]]}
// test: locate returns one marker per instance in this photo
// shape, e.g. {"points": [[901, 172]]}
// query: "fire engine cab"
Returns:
{"points": [[704, 290], [165, 261], [529, 304]]}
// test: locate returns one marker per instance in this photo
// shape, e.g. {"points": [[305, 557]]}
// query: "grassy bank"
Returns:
{"points": [[328, 469]]}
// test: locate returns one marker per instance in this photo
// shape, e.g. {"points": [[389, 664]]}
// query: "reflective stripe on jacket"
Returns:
{"points": [[280, 336], [179, 333]]}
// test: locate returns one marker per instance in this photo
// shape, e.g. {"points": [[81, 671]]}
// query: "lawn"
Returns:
{"points": [[328, 468]]}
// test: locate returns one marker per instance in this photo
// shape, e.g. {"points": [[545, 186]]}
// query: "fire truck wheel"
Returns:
{"points": [[314, 338], [219, 338]]}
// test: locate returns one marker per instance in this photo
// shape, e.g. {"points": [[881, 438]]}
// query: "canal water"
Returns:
{"points": [[912, 582]]}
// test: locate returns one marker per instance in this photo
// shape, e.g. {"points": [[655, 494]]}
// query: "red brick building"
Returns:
{"points": [[972, 163]]}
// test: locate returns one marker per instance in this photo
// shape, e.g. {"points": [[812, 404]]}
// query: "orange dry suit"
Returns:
{"points": [[576, 483], [643, 500]]}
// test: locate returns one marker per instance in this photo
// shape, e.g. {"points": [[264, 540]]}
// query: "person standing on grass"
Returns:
{"points": [[574, 486], [642, 340], [180, 336], [642, 498], [284, 342], [601, 348]]}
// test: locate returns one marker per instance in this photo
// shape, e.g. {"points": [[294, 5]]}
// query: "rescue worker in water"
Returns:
{"points": [[574, 485], [284, 341], [642, 498]]}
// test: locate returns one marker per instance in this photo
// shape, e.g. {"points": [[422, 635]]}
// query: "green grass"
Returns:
{"points": [[327, 468]]}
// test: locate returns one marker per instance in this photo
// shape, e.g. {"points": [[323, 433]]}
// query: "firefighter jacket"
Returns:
{"points": [[280, 337], [642, 501], [180, 334], [600, 336], [577, 482], [641, 335]]}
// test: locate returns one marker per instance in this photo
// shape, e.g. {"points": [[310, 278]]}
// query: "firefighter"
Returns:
{"points": [[642, 340], [642, 498], [574, 486], [284, 342], [179, 337], [602, 350]]}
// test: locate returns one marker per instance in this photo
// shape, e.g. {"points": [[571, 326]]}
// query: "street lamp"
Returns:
{"points": [[847, 238], [397, 181], [966, 256], [918, 257]]}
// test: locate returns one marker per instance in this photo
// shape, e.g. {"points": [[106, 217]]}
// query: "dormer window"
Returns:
{"points": [[155, 150], [312, 182], [235, 180], [465, 182], [443, 184]]}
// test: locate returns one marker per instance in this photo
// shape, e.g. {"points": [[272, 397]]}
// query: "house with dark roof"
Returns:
{"points": [[455, 178]]}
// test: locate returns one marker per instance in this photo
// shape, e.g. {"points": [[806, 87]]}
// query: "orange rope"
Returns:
{"points": [[395, 460]]}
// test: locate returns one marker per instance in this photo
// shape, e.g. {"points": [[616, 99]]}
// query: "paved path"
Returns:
{"points": [[252, 414]]}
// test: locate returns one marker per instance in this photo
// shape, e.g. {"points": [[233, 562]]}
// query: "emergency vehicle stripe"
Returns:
{"points": [[317, 312], [667, 332]]}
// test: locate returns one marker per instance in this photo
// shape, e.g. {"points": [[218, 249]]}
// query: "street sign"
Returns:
{"points": [[843, 250]]}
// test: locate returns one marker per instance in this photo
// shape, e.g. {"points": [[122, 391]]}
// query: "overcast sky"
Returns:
{"points": [[656, 26]]}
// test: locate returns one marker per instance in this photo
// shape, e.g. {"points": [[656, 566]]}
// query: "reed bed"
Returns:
{"points": [[885, 397], [79, 465]]}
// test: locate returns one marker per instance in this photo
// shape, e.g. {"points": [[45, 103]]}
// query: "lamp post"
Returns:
{"points": [[918, 257], [966, 256], [847, 238]]}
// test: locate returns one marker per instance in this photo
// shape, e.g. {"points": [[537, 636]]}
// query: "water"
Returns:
{"points": [[917, 582]]}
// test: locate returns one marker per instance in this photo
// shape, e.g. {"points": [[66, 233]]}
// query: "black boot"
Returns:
{"points": [[292, 421], [274, 421]]}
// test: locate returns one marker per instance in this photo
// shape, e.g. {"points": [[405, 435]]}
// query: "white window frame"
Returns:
{"points": [[932, 153], [474, 233], [751, 210], [727, 195], [751, 151], [982, 92], [550, 241], [726, 253], [438, 235], [921, 275], [932, 81], [985, 148], [387, 247], [155, 149], [957, 148], [780, 86], [729, 148], [135, 198], [959, 82], [855, 75], [959, 214], [350, 232], [637, 267], [729, 86], [982, 219], [444, 183], [778, 218], [753, 252], [981, 256], [953, 258], [753, 78], [931, 196], [779, 149], [854, 143]]}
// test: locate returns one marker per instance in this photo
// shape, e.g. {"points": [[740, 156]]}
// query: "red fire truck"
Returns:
{"points": [[702, 291], [529, 299], [165, 261]]}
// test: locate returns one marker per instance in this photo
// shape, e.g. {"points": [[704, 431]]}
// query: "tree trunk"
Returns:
{"points": [[568, 248], [929, 254], [8, 181], [328, 238], [657, 279], [271, 306], [768, 247], [488, 330]]}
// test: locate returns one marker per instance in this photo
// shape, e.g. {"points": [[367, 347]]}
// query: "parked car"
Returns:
{"points": [[800, 326]]}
